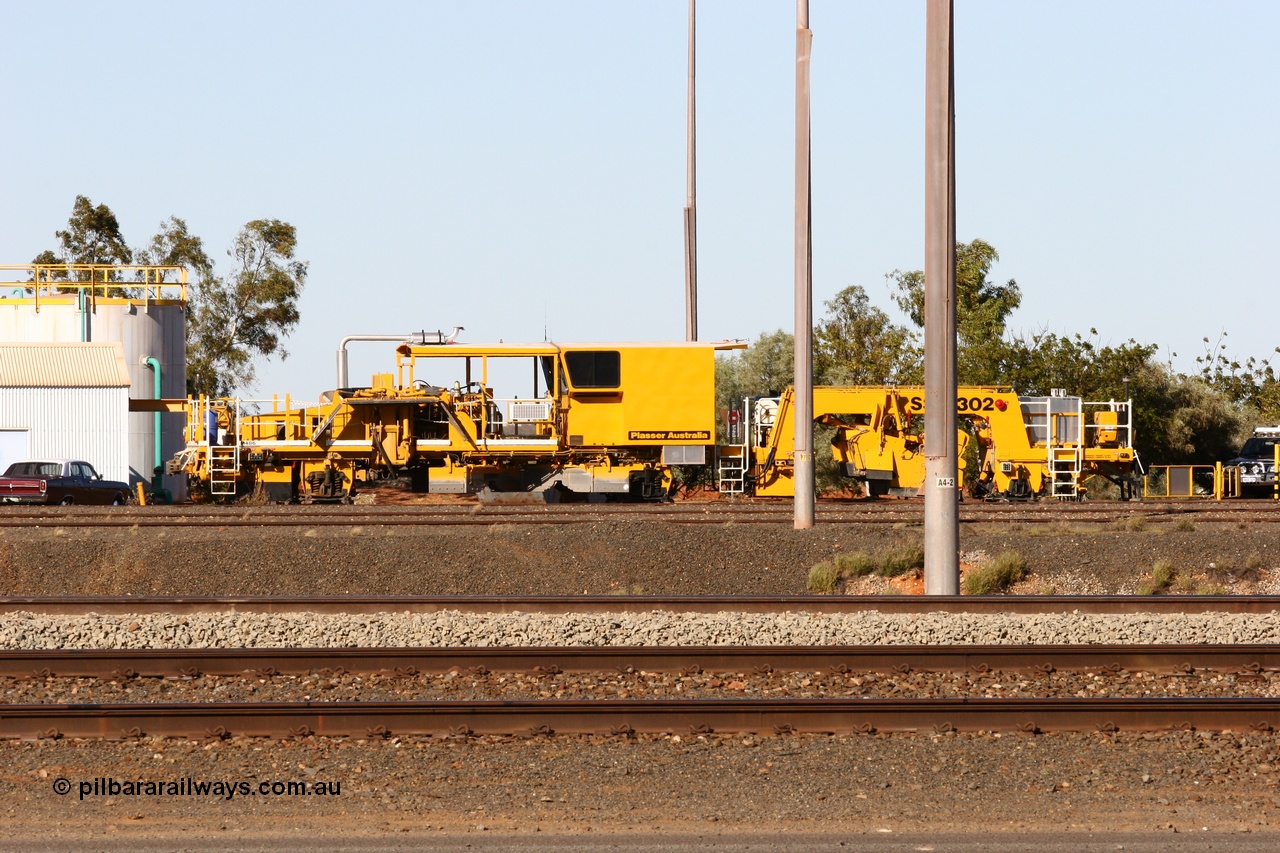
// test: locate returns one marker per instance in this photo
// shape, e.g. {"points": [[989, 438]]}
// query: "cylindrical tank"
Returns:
{"points": [[153, 328]]}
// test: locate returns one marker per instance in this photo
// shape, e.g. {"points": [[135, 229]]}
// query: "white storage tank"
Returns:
{"points": [[149, 324]]}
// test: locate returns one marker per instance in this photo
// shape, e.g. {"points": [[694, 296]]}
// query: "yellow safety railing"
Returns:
{"points": [[95, 281], [1202, 482]]}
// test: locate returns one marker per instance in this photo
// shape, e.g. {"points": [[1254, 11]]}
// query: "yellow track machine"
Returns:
{"points": [[1027, 446], [596, 419]]}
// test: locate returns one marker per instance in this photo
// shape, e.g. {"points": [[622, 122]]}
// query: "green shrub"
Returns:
{"points": [[887, 562], [1148, 587], [1184, 525], [996, 575], [824, 577], [1253, 561], [1162, 577], [901, 560], [1162, 574], [855, 565]]}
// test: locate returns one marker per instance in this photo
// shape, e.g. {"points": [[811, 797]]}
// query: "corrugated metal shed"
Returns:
{"points": [[89, 365], [71, 401]]}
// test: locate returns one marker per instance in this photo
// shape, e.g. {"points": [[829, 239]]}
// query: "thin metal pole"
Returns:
{"points": [[941, 485], [803, 385], [691, 203]]}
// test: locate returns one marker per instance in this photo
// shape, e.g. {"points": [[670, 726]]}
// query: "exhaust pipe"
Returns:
{"points": [[422, 338]]}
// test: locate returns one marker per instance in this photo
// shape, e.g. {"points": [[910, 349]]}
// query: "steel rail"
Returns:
{"points": [[131, 663], [708, 513], [979, 604], [223, 524], [713, 504], [462, 504], [630, 716]]}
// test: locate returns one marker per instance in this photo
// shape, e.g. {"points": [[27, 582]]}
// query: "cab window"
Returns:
{"points": [[594, 369]]}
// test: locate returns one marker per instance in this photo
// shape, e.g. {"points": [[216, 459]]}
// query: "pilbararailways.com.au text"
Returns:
{"points": [[187, 787]]}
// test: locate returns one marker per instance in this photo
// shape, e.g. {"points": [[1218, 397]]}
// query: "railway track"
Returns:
{"points": [[132, 663], [992, 604], [627, 717], [623, 717], [710, 512]]}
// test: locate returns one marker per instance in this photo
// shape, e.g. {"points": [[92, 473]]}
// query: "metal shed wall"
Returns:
{"points": [[73, 423]]}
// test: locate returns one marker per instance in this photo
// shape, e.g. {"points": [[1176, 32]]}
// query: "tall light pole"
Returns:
{"points": [[691, 192], [803, 473], [941, 484]]}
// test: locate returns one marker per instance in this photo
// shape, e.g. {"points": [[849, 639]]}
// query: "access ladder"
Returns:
{"points": [[731, 469], [222, 447]]}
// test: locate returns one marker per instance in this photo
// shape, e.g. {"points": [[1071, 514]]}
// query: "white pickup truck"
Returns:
{"points": [[1257, 462]]}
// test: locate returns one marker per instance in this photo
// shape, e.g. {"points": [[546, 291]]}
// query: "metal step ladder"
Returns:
{"points": [[1064, 472], [223, 459], [733, 459], [1066, 446], [731, 469]]}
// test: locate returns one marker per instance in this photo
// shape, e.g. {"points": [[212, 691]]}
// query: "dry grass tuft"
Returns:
{"points": [[855, 565], [1162, 577], [996, 575], [824, 577], [900, 560]]}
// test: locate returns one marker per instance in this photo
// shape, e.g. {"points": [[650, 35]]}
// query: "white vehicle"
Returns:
{"points": [[1257, 461]]}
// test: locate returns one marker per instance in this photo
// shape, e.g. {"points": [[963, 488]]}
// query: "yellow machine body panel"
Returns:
{"points": [[661, 396]]}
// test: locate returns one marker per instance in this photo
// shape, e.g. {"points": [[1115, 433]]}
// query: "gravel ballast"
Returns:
{"points": [[23, 630]]}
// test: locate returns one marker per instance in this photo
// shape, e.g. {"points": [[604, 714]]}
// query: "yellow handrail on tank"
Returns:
{"points": [[96, 280]]}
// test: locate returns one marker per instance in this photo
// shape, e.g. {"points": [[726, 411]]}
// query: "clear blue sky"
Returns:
{"points": [[518, 166]]}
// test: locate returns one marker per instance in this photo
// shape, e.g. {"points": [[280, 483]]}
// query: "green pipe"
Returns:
{"points": [[154, 364]]}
